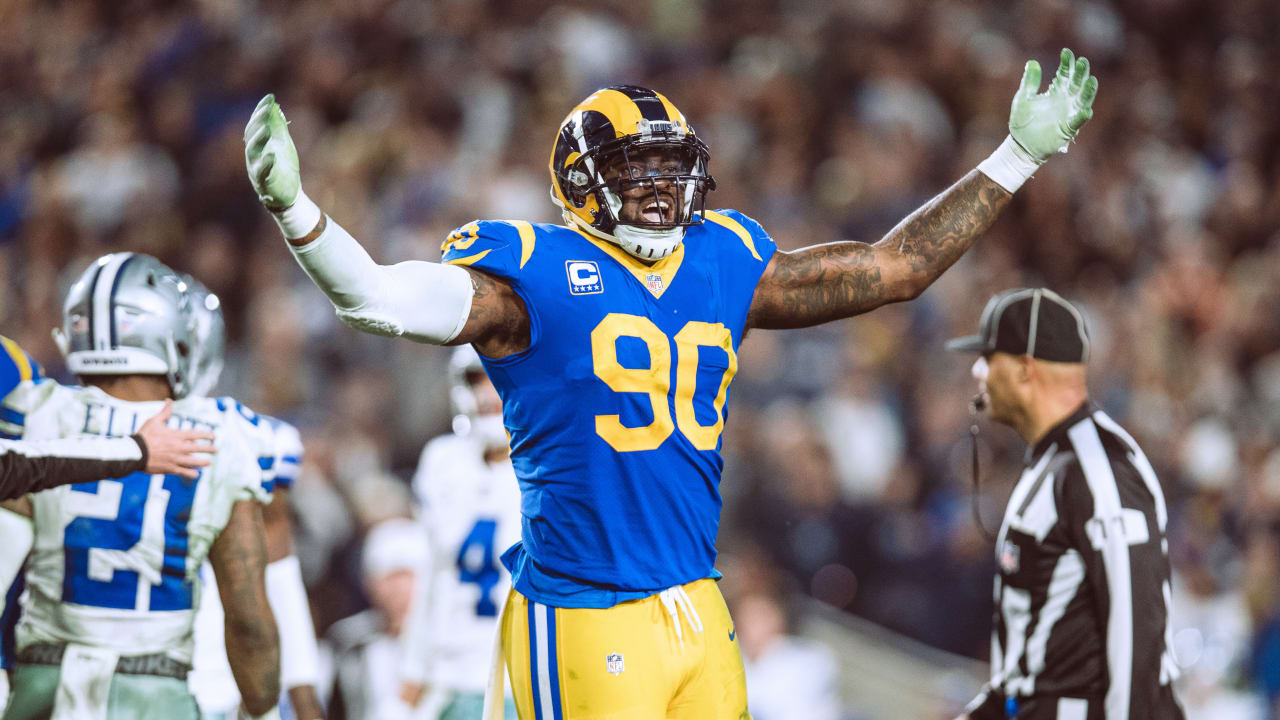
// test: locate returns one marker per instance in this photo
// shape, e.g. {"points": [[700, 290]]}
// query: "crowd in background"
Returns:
{"points": [[846, 474]]}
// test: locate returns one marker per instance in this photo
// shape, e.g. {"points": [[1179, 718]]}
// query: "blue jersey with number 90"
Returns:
{"points": [[616, 409]]}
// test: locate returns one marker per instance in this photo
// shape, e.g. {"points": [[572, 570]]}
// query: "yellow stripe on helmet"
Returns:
{"points": [[675, 115], [620, 109]]}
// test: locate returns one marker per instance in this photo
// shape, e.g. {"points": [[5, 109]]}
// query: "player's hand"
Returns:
{"points": [[1044, 123], [174, 452], [270, 157]]}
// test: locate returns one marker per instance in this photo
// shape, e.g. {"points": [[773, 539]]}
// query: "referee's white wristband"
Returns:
{"points": [[299, 219], [1009, 166], [272, 714]]}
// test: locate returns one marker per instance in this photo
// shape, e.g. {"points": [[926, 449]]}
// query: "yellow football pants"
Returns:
{"points": [[625, 662]]}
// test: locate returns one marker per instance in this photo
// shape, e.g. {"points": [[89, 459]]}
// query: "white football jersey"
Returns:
{"points": [[471, 510], [114, 562], [210, 679]]}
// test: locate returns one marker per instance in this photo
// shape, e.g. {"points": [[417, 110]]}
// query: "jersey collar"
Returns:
{"points": [[665, 268], [1058, 432]]}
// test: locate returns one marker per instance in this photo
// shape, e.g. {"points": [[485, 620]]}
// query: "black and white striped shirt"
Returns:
{"points": [[1082, 588], [27, 467]]}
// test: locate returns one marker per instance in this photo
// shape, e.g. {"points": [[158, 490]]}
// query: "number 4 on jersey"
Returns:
{"points": [[477, 563]]}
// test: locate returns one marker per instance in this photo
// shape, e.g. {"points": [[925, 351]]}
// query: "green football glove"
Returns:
{"points": [[270, 157], [1046, 123]]}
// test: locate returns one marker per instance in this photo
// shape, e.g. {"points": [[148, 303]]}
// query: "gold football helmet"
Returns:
{"points": [[597, 158]]}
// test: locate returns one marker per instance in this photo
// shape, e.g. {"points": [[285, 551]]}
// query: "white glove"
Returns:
{"points": [[1042, 124], [272, 162]]}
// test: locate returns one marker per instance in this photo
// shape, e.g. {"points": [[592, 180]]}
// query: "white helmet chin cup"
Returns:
{"points": [[648, 243], [645, 243]]}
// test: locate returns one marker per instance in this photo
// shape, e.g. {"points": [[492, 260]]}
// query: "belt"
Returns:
{"points": [[157, 664]]}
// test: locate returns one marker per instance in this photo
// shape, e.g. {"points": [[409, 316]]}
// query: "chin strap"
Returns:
{"points": [[975, 406]]}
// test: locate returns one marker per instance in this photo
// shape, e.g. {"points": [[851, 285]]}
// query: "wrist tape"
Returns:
{"points": [[1009, 166], [299, 219]]}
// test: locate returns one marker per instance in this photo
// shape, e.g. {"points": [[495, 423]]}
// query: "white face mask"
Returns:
{"points": [[645, 243]]}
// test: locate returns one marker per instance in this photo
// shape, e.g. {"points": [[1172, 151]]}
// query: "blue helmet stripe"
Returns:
{"points": [[111, 306]]}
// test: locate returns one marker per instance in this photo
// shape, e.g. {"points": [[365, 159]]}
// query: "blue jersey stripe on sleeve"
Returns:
{"points": [[12, 417]]}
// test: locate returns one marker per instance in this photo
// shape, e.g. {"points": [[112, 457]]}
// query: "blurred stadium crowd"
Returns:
{"points": [[847, 455]]}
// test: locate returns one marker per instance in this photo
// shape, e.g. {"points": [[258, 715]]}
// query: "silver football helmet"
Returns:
{"points": [[210, 337], [128, 314], [467, 419]]}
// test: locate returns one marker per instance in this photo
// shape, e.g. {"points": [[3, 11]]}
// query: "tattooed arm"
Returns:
{"points": [[498, 323], [827, 282], [239, 559]]}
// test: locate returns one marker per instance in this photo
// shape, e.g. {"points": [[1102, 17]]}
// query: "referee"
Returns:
{"points": [[1082, 584]]}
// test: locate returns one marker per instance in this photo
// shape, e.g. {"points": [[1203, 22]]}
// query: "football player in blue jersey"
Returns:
{"points": [[612, 340]]}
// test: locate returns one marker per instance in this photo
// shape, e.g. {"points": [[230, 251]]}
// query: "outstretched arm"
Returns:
{"points": [[423, 301], [32, 466], [837, 280]]}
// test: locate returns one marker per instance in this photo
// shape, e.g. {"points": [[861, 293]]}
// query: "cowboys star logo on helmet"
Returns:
{"points": [[629, 142]]}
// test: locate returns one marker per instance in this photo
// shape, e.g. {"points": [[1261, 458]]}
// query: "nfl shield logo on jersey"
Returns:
{"points": [[654, 281], [613, 663]]}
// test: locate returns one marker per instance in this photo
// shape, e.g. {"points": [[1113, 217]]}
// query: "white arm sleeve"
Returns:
{"points": [[299, 657], [423, 301]]}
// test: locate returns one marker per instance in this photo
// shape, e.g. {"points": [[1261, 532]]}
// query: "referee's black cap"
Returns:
{"points": [[1029, 321]]}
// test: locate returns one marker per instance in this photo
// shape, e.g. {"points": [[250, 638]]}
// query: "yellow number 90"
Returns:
{"points": [[655, 380]]}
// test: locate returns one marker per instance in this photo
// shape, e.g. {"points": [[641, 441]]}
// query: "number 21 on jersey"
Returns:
{"points": [[127, 549], [655, 380]]}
